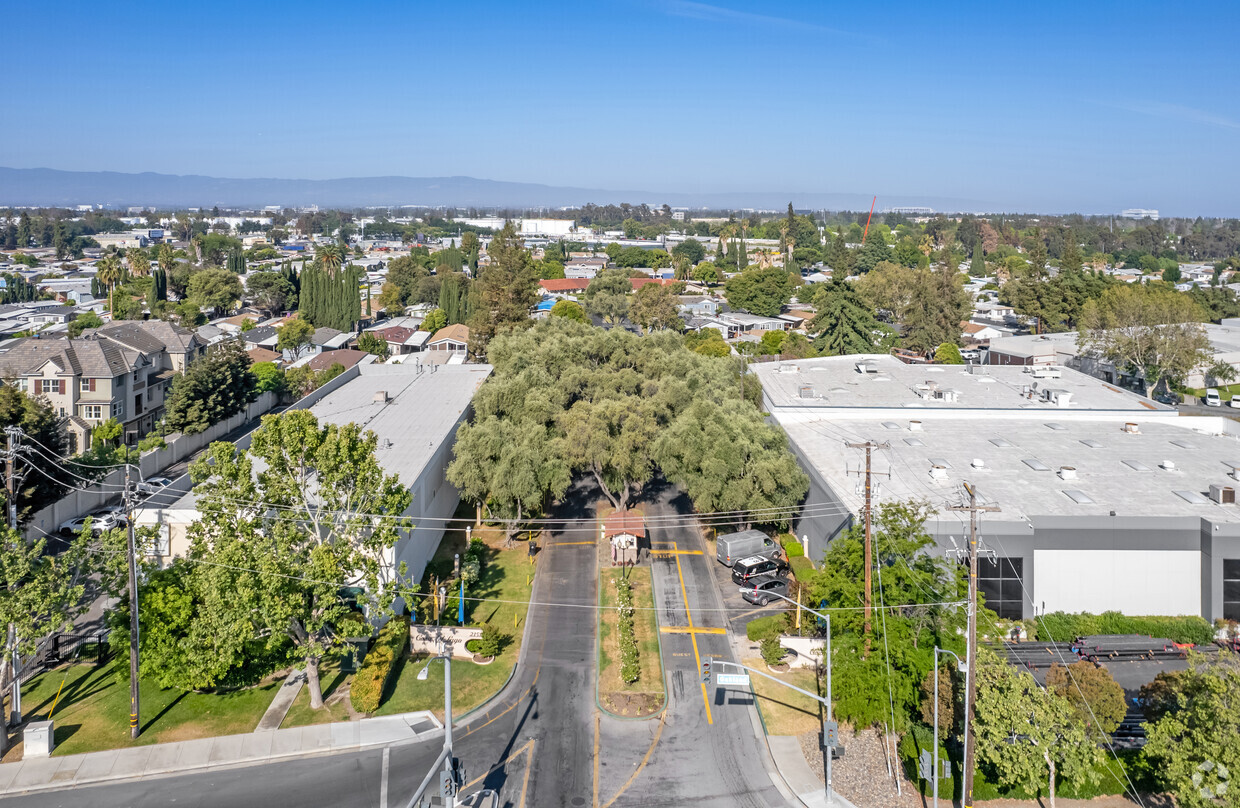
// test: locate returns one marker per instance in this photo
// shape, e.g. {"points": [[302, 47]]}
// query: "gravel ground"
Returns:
{"points": [[861, 775]]}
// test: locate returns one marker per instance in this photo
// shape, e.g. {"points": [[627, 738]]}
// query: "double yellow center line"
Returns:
{"points": [[692, 632]]}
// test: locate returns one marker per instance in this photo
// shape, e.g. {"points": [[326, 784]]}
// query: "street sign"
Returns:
{"points": [[732, 679]]}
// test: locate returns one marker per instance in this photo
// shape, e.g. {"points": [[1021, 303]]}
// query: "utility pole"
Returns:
{"points": [[134, 726], [13, 438], [869, 447], [970, 686]]}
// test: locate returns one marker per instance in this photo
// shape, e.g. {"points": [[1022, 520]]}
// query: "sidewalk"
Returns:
{"points": [[786, 752], [211, 753]]}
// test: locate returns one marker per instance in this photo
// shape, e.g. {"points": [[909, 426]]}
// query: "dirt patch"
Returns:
{"points": [[632, 705], [861, 776]]}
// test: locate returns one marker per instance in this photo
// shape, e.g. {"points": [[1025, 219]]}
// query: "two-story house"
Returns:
{"points": [[122, 370]]}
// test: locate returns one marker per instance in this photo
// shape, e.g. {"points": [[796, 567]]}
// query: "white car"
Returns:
{"points": [[153, 485], [1213, 399], [100, 521]]}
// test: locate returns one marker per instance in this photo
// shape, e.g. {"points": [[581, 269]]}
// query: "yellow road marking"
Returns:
{"points": [[596, 728], [675, 552], [525, 782], [658, 732], [691, 630], [697, 657], [568, 543]]}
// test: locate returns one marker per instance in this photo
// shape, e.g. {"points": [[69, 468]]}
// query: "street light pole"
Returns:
{"points": [[828, 753], [935, 771], [451, 780]]}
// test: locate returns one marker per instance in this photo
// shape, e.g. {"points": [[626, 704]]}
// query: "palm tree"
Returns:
{"points": [[196, 243], [108, 270], [329, 257], [166, 258], [139, 264]]}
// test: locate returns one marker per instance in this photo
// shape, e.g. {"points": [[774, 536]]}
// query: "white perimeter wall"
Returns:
{"points": [[1135, 582]]}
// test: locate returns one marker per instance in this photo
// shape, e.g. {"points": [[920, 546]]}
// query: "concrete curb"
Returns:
{"points": [[223, 752]]}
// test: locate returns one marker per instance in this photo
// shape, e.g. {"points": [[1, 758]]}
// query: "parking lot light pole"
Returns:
{"points": [[827, 618], [935, 770]]}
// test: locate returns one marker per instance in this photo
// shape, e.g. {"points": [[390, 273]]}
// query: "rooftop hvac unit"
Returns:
{"points": [[1067, 472], [978, 463], [1223, 494], [806, 391], [1048, 372], [1132, 429], [380, 397], [938, 472]]}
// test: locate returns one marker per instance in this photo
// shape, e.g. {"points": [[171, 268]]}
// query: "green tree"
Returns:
{"points": [[85, 320], [1026, 736], [948, 353], [1095, 696], [268, 377], [279, 570], [708, 342], [844, 324], [771, 342], [569, 309], [188, 315], [654, 307], [612, 440], [940, 304], [759, 291], [690, 249], [434, 320], [271, 291], [1172, 274], [294, 336], [40, 593], [36, 418], [507, 289], [215, 387], [1192, 739], [373, 344], [608, 296], [1149, 330], [216, 289], [707, 273], [139, 263]]}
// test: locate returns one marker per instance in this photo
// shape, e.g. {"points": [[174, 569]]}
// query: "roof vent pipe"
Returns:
{"points": [[938, 472], [978, 463], [914, 426], [1169, 465], [1132, 429], [1067, 472]]}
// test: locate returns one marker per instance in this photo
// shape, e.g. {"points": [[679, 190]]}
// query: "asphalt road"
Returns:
{"points": [[543, 742]]}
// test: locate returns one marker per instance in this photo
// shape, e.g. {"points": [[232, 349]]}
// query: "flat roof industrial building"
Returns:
{"points": [[1108, 500]]}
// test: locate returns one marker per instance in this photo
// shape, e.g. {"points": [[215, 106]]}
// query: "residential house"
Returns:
{"points": [[584, 267], [402, 339], [975, 333], [453, 338], [698, 306], [567, 288]]}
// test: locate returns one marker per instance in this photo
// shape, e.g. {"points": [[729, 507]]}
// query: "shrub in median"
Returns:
{"points": [[368, 683], [764, 628], [491, 643], [772, 651], [629, 668]]}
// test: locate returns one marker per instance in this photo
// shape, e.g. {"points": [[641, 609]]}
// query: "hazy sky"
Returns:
{"points": [[1085, 106]]}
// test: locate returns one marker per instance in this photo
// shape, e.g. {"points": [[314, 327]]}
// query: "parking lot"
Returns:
{"points": [[738, 611]]}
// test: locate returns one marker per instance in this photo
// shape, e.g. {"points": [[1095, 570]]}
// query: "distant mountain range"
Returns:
{"points": [[49, 187]]}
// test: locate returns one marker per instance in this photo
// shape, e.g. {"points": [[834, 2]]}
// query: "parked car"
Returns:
{"points": [[100, 520], [762, 589], [732, 546], [1235, 402], [747, 568], [1212, 399], [154, 485]]}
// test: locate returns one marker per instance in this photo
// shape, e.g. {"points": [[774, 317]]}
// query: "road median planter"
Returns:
{"points": [[630, 678]]}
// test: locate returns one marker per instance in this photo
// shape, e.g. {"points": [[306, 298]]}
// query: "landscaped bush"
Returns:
{"points": [[1064, 627], [772, 651], [792, 546], [491, 643], [629, 668], [371, 678], [801, 566], [762, 628]]}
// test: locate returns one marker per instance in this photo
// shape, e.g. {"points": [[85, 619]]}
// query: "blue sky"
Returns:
{"points": [[1085, 106]]}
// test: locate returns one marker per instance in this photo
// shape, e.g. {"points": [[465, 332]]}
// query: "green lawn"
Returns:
{"points": [[332, 680], [645, 696], [784, 711], [93, 711], [505, 577]]}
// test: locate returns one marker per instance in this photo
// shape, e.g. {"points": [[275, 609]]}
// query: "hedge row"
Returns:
{"points": [[371, 678], [629, 668], [801, 566], [1064, 627], [792, 545]]}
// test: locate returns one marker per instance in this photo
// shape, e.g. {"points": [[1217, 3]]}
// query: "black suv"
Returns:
{"points": [[747, 568], [762, 589]]}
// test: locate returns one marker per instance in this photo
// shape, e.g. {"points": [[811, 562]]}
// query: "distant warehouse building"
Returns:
{"points": [[1108, 500]]}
